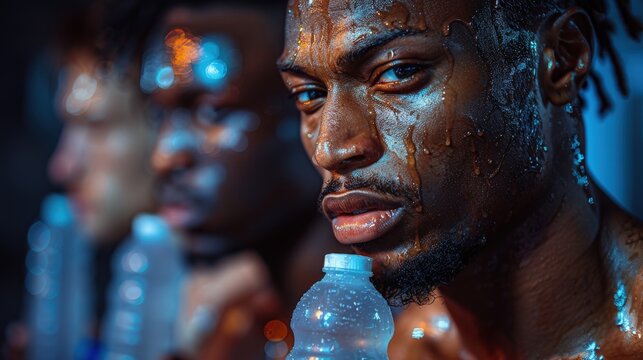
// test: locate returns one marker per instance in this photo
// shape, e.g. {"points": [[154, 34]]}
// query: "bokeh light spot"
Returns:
{"points": [[417, 333], [275, 330], [216, 70], [132, 292], [39, 236], [135, 262], [276, 350], [165, 77]]}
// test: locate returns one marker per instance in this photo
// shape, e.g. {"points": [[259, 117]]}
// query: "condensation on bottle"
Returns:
{"points": [[342, 316]]}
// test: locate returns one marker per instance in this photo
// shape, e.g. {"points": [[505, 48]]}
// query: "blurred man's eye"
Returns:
{"points": [[156, 116], [207, 114]]}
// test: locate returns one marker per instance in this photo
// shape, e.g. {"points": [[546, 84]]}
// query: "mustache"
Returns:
{"points": [[180, 192], [173, 193], [372, 182]]}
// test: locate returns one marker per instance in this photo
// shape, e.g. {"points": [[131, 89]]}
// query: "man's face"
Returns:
{"points": [[103, 150], [423, 120], [216, 134]]}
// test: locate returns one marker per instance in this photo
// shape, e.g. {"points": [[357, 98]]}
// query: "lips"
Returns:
{"points": [[360, 216], [177, 215]]}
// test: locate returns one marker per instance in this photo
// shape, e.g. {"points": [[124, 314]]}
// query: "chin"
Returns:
{"points": [[409, 272], [105, 232]]}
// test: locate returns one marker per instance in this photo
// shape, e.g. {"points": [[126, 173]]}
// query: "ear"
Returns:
{"points": [[567, 56]]}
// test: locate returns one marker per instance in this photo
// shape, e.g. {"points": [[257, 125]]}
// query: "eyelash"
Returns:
{"points": [[314, 94], [409, 82], [313, 101]]}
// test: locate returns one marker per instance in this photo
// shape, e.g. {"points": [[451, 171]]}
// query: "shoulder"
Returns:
{"points": [[624, 233]]}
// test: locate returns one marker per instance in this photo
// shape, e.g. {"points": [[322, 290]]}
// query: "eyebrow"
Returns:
{"points": [[358, 51]]}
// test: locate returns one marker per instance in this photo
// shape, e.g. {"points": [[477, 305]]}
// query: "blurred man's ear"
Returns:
{"points": [[567, 56]]}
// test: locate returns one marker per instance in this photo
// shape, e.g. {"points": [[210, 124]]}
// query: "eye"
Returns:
{"points": [[207, 115], [308, 95], [156, 116], [399, 73], [308, 99]]}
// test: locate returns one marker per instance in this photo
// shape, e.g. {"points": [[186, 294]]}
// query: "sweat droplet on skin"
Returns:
{"points": [[412, 165], [624, 319]]}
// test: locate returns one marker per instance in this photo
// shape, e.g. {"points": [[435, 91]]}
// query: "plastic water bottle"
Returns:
{"points": [[145, 293], [58, 283], [342, 316]]}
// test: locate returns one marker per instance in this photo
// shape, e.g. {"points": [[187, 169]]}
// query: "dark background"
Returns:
{"points": [[25, 31]]}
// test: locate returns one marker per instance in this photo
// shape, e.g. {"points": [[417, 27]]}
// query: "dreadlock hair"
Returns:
{"points": [[604, 30]]}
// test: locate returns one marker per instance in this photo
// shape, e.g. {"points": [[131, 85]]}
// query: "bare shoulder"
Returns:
{"points": [[625, 232], [623, 235]]}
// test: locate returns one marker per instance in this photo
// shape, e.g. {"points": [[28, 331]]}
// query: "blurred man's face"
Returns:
{"points": [[102, 155], [216, 130], [427, 135]]}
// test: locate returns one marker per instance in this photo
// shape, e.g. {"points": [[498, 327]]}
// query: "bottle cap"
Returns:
{"points": [[57, 210], [348, 262], [150, 228]]}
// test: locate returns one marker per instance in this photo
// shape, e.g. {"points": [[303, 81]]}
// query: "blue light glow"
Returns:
{"points": [[210, 49], [132, 292], [624, 319], [165, 77], [578, 170], [417, 333], [215, 63], [276, 350], [590, 353], [135, 262], [57, 210], [216, 70], [441, 322], [150, 228]]}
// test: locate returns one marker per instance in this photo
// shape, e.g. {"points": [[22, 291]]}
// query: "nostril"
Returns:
{"points": [[354, 159]]}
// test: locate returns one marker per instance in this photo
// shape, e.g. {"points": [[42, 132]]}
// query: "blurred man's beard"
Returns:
{"points": [[415, 278]]}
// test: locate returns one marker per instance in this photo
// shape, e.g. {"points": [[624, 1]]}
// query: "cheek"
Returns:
{"points": [[118, 159], [307, 138]]}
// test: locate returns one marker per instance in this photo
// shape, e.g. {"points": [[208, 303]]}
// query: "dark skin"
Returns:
{"points": [[483, 157], [235, 180], [209, 186]]}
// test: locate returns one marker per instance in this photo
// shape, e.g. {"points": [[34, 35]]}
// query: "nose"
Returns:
{"points": [[348, 136], [67, 162], [175, 149]]}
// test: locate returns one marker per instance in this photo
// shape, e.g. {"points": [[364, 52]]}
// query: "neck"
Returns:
{"points": [[538, 288]]}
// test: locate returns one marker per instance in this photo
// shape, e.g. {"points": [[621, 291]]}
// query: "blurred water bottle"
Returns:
{"points": [[58, 283], [144, 294], [342, 316]]}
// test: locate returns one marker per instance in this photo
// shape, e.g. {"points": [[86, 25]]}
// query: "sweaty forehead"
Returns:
{"points": [[340, 24]]}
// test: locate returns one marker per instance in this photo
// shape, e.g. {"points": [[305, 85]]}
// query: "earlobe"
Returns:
{"points": [[567, 56]]}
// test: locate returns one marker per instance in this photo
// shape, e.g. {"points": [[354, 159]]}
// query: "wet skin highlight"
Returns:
{"points": [[416, 89], [436, 104]]}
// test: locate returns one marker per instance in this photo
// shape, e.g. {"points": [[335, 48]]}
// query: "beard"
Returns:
{"points": [[415, 278]]}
